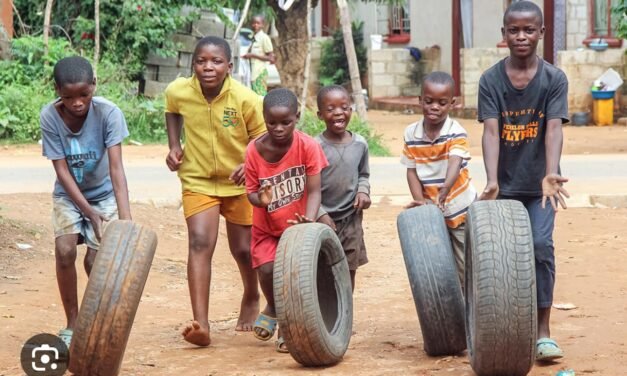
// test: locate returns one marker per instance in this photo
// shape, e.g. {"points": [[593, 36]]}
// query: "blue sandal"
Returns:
{"points": [[266, 323], [548, 350], [66, 336]]}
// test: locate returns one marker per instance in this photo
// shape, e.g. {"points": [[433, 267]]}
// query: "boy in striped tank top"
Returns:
{"points": [[436, 155]]}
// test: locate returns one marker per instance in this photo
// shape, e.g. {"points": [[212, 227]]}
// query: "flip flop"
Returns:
{"points": [[66, 336], [548, 350], [266, 323], [281, 347]]}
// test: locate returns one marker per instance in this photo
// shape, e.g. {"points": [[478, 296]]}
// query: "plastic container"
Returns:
{"points": [[581, 118], [603, 107]]}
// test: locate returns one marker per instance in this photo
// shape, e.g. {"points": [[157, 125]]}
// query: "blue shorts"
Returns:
{"points": [[542, 223], [67, 219]]}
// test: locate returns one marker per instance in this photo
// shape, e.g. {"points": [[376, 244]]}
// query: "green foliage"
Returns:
{"points": [[620, 10], [313, 126], [128, 29], [27, 87], [333, 61]]}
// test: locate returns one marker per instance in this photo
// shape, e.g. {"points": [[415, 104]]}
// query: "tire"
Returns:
{"points": [[313, 294], [501, 320], [111, 298], [433, 278]]}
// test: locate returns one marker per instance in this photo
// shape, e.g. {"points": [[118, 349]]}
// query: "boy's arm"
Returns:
{"points": [[174, 125], [490, 143], [118, 180], [452, 173], [71, 188], [415, 187], [362, 200], [552, 182], [262, 197]]}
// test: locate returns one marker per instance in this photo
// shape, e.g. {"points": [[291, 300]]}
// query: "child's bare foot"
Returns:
{"points": [[197, 335], [247, 314]]}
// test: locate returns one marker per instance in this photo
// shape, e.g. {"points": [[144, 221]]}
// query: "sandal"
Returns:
{"points": [[266, 323], [281, 346], [66, 336], [548, 350]]}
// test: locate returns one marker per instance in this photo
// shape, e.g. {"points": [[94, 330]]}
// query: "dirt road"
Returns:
{"points": [[590, 248]]}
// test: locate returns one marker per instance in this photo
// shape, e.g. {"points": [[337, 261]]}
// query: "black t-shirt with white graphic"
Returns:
{"points": [[522, 116]]}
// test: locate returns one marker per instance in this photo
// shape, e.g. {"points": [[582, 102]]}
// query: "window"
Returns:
{"points": [[602, 22], [399, 26]]}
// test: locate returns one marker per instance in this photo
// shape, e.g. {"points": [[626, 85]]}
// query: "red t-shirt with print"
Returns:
{"points": [[289, 195]]}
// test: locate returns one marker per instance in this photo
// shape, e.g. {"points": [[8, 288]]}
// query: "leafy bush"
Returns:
{"points": [[27, 86], [313, 126], [333, 61]]}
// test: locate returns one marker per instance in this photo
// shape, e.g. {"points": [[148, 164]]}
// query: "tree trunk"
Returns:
{"points": [[353, 66], [47, 13], [304, 95], [96, 36], [291, 44]]}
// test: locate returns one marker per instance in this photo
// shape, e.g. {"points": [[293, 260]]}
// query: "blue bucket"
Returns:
{"points": [[599, 94]]}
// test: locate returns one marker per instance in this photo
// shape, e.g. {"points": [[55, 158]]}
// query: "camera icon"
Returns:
{"points": [[44, 355], [44, 358]]}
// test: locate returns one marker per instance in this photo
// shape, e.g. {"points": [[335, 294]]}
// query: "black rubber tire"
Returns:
{"points": [[501, 307], [313, 295], [433, 278], [111, 299]]}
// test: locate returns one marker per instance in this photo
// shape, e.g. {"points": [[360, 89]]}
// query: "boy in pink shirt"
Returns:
{"points": [[283, 185]]}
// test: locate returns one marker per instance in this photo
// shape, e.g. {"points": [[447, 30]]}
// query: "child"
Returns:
{"points": [[260, 54], [220, 117], [436, 155], [345, 186], [283, 183], [523, 103], [82, 136]]}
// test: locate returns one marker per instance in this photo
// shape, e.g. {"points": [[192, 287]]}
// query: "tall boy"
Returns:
{"points": [[283, 184], [523, 104], [345, 185], [436, 156], [82, 135]]}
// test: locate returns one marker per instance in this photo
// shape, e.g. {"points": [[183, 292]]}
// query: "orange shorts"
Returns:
{"points": [[235, 209]]}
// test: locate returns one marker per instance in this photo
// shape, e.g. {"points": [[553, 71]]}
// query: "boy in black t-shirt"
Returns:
{"points": [[523, 104]]}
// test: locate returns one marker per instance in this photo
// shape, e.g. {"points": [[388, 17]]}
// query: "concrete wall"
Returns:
{"points": [[582, 68], [486, 27], [389, 71], [431, 24], [474, 61], [576, 23]]}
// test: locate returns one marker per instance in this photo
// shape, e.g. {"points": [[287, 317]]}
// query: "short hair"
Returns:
{"points": [[523, 6], [438, 77], [72, 70], [260, 16], [213, 41], [280, 97], [328, 89]]}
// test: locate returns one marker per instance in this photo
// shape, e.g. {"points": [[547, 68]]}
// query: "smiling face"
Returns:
{"points": [[522, 31], [76, 97], [335, 111], [436, 101], [280, 122], [211, 66]]}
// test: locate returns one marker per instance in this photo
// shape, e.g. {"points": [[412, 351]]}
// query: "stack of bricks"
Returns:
{"points": [[160, 71], [475, 61], [582, 68], [389, 71]]}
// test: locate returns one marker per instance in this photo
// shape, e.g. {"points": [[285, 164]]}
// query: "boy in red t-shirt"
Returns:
{"points": [[283, 184]]}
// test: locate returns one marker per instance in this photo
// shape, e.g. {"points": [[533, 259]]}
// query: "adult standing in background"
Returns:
{"points": [[259, 54]]}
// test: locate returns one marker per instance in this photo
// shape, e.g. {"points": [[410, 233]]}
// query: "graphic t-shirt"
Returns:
{"points": [[86, 150], [289, 181], [522, 115]]}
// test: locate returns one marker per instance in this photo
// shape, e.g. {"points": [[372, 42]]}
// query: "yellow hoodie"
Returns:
{"points": [[216, 134]]}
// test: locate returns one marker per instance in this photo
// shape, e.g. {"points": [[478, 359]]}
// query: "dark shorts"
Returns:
{"points": [[542, 223], [351, 235]]}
